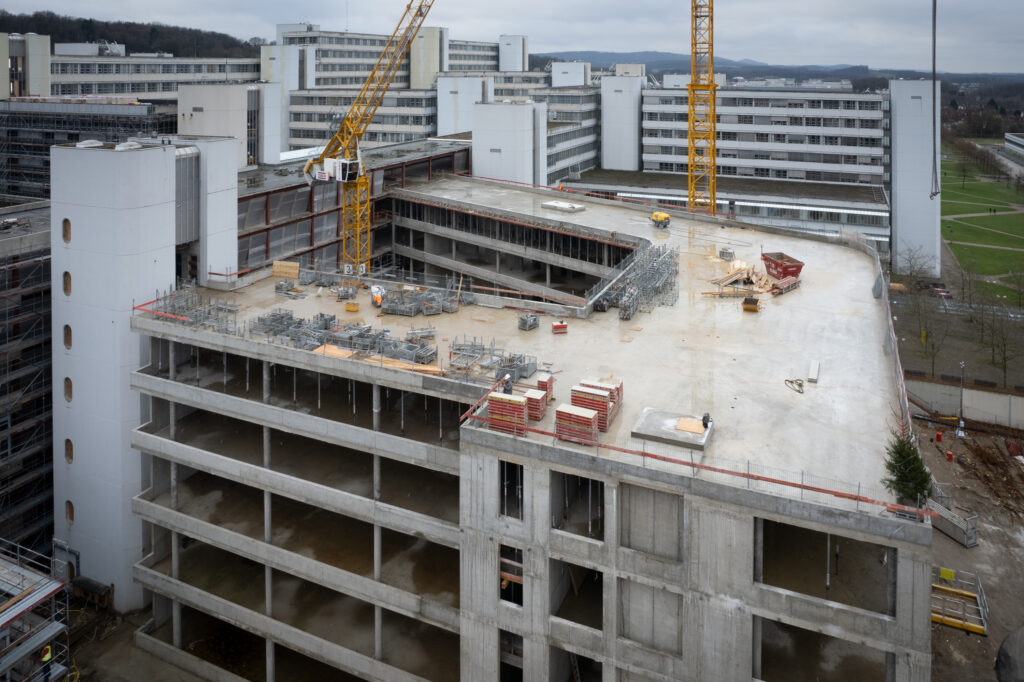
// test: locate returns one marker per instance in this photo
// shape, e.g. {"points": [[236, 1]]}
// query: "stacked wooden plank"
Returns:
{"points": [[536, 404], [546, 383], [575, 423], [597, 400], [615, 388], [507, 413]]}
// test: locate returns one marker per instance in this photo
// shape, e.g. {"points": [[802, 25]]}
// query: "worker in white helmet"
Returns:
{"points": [[506, 384]]}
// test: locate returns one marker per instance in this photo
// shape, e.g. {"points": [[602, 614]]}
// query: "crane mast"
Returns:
{"points": [[701, 98], [340, 159]]}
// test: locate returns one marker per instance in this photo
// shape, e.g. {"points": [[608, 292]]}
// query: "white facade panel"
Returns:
{"points": [[218, 208], [513, 53], [506, 145], [570, 74], [916, 240], [620, 122], [121, 206], [455, 99], [218, 110], [428, 55]]}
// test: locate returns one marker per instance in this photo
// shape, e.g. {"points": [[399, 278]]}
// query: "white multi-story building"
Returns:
{"points": [[794, 134]]}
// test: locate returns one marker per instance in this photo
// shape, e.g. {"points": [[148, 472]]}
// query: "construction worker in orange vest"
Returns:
{"points": [[45, 656]]}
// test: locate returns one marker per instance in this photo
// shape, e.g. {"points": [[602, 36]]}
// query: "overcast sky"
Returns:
{"points": [[977, 35]]}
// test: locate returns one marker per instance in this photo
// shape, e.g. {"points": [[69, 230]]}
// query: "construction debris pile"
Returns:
{"points": [[281, 326]]}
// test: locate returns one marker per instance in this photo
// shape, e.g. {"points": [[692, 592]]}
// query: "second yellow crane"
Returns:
{"points": [[701, 98], [340, 159]]}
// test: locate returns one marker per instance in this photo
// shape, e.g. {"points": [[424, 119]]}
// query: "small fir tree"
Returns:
{"points": [[907, 476]]}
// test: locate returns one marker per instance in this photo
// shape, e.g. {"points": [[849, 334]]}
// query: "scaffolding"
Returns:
{"points": [[26, 406], [34, 616], [29, 129]]}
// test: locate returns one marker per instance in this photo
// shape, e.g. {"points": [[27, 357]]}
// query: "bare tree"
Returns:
{"points": [[1005, 334], [1017, 281]]}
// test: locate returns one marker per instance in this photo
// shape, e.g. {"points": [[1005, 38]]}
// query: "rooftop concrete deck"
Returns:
{"points": [[702, 355]]}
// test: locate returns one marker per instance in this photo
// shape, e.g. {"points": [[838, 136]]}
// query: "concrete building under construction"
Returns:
{"points": [[312, 488]]}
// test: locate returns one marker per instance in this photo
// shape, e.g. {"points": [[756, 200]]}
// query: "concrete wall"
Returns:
{"points": [[283, 64], [510, 141], [218, 206], [915, 215], [216, 110], [631, 70], [121, 205], [620, 122], [570, 74], [273, 122], [984, 406], [428, 56], [455, 99], [37, 65], [513, 53], [5, 73]]}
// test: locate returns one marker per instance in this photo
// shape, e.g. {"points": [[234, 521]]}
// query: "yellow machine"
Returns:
{"points": [[661, 219], [702, 155], [340, 160]]}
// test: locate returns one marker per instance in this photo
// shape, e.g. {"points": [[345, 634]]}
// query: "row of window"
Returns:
{"points": [[334, 40], [399, 82], [101, 68], [378, 119], [848, 105], [335, 101], [373, 55], [777, 173], [797, 157], [590, 148]]}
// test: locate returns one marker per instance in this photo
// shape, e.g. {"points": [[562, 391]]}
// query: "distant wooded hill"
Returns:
{"points": [[659, 63], [181, 42]]}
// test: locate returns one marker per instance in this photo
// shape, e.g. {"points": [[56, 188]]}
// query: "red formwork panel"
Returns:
{"points": [[598, 400], [780, 266], [573, 422], [536, 404], [508, 413], [613, 387]]}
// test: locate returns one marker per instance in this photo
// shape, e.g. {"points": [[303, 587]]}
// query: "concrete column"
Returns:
{"points": [[758, 550], [497, 261], [547, 275], [175, 539], [755, 641], [891, 584], [378, 625], [268, 533], [606, 257], [453, 249], [610, 607]]}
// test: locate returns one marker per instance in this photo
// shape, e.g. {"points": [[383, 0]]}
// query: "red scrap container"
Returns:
{"points": [[780, 266]]}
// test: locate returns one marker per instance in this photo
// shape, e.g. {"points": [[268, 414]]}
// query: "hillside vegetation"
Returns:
{"points": [[181, 42]]}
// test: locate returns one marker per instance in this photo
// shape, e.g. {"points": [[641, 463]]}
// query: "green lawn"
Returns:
{"points": [[985, 140], [997, 292], [994, 193], [957, 231], [985, 261], [960, 208], [1012, 224]]}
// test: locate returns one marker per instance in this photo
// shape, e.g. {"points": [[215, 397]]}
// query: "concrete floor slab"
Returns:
{"points": [[702, 355]]}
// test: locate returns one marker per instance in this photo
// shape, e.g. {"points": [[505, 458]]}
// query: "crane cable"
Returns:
{"points": [[936, 189]]}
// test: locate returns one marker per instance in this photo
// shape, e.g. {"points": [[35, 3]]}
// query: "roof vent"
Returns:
{"points": [[89, 144], [127, 146]]}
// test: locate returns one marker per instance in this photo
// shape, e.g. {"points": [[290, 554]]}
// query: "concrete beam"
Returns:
{"points": [[297, 423], [395, 599], [259, 350], [305, 643], [498, 246], [487, 275], [307, 492], [181, 659]]}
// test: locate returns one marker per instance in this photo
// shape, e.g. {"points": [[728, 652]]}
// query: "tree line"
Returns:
{"points": [[137, 37]]}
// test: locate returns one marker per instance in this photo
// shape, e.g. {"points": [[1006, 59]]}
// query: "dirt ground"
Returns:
{"points": [[104, 652], [985, 480]]}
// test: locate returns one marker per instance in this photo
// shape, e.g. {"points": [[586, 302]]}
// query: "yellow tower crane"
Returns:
{"points": [[701, 98], [340, 160]]}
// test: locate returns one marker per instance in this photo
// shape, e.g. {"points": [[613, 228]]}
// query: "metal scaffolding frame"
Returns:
{"points": [[26, 406]]}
